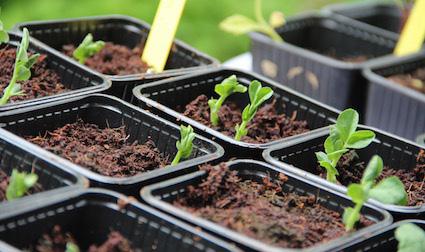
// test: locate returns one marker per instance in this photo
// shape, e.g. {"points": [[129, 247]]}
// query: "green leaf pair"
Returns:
{"points": [[19, 184], [22, 69], [388, 191], [87, 48], [410, 237], [257, 96], [227, 87], [184, 145], [342, 137]]}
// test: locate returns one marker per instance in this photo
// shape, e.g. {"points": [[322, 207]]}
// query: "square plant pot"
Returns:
{"points": [[161, 196], [391, 106], [110, 112], [78, 79], [381, 240], [121, 30], [384, 15], [298, 157], [53, 178], [160, 98], [322, 57], [90, 216]]}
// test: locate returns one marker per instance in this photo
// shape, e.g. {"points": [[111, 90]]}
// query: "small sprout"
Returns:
{"points": [[410, 237], [184, 146], [229, 86], [72, 247], [343, 136], [388, 191], [239, 24], [21, 71], [257, 95], [87, 48], [19, 184]]}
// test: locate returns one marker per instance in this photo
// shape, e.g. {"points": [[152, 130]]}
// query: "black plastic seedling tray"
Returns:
{"points": [[91, 214], [123, 30], [298, 157], [380, 240], [393, 107], [166, 97], [161, 194], [79, 79], [52, 177], [300, 63], [108, 111]]}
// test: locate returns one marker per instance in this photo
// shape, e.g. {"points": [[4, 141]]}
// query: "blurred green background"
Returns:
{"points": [[198, 27]]}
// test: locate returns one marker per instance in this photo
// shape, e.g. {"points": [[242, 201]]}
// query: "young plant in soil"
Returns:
{"points": [[239, 24], [226, 88], [388, 191], [342, 137], [410, 237], [184, 145], [21, 71], [87, 48], [19, 184], [257, 96]]}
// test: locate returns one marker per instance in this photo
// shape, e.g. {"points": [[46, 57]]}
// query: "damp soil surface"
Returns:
{"points": [[261, 210], [106, 151], [114, 59], [414, 80], [4, 182], [351, 169], [43, 81], [57, 238], [266, 126]]}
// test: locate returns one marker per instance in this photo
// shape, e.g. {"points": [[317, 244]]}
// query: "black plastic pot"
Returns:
{"points": [[301, 62], [79, 79], [167, 97], [380, 240], [393, 107], [108, 111], [91, 214], [387, 16], [298, 157], [160, 195], [123, 30], [52, 177]]}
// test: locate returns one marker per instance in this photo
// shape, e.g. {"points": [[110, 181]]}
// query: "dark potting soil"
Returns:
{"points": [[414, 80], [105, 151], [43, 81], [351, 169], [114, 59], [56, 240], [261, 210], [4, 182], [266, 126]]}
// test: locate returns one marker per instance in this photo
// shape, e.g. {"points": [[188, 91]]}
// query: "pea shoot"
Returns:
{"points": [[19, 184], [87, 48], [184, 145]]}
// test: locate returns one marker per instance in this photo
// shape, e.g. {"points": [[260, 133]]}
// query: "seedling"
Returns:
{"points": [[4, 37], [257, 95], [239, 24], [22, 69], [19, 184], [227, 87], [87, 48], [184, 145], [410, 237], [342, 137], [72, 247], [388, 191]]}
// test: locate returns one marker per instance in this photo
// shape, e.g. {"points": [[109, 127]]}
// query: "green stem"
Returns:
{"points": [[331, 177], [265, 27], [258, 12], [239, 133], [177, 158], [351, 223], [213, 112], [8, 90]]}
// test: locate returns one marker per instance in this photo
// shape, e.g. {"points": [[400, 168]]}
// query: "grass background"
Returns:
{"points": [[198, 27]]}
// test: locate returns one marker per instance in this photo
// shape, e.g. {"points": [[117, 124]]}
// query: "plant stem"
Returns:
{"points": [[213, 114], [351, 223], [239, 134], [8, 90], [331, 177], [176, 159], [265, 27]]}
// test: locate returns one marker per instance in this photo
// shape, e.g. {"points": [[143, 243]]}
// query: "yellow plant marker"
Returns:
{"points": [[413, 34], [162, 33]]}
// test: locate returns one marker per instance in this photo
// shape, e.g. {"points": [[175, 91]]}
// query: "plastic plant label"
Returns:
{"points": [[162, 33], [413, 34]]}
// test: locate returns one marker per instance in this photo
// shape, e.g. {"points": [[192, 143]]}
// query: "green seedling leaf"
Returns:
{"points": [[360, 139], [184, 145], [19, 184], [410, 237], [390, 191], [373, 169], [229, 86], [257, 96], [346, 123], [87, 48], [239, 24], [325, 162], [72, 247], [357, 193]]}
